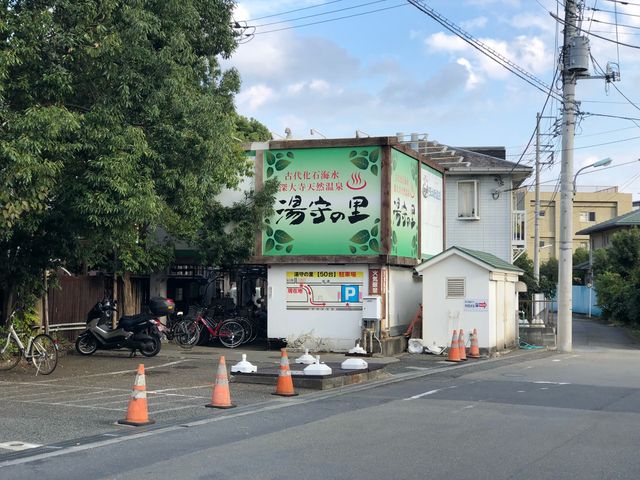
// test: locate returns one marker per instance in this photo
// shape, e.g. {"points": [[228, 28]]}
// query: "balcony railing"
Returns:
{"points": [[519, 228]]}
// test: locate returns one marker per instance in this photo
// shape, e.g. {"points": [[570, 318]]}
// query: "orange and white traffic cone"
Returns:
{"points": [[137, 412], [454, 351], [221, 396], [462, 346], [284, 387], [474, 350]]}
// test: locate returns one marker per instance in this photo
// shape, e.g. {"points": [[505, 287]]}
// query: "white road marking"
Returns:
{"points": [[430, 392], [551, 383]]}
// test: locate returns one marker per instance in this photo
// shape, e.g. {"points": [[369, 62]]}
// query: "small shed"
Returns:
{"points": [[463, 288]]}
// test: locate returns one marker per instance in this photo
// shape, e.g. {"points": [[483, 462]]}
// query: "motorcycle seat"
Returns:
{"points": [[129, 321]]}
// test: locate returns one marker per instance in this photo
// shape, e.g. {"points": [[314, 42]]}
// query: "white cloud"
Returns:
{"points": [[319, 86], [448, 43], [296, 88], [472, 80], [478, 22], [255, 96]]}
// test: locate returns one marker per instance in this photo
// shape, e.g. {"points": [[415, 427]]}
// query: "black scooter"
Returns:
{"points": [[135, 332]]}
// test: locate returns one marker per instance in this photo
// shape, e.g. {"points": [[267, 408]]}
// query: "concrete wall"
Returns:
{"points": [[337, 330], [493, 231], [405, 294]]}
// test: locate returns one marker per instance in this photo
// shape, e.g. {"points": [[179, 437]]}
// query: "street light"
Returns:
{"points": [[600, 163]]}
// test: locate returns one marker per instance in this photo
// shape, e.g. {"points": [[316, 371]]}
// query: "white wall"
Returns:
{"points": [[338, 329], [440, 315], [492, 232], [404, 297]]}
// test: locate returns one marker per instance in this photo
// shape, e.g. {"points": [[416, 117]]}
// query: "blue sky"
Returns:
{"points": [[398, 70]]}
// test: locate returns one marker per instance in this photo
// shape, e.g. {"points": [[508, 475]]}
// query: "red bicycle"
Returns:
{"points": [[230, 332]]}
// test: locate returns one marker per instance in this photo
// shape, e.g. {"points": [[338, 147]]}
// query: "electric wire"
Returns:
{"points": [[292, 11], [615, 24], [320, 14], [594, 35], [611, 11], [484, 49], [623, 3], [332, 19]]}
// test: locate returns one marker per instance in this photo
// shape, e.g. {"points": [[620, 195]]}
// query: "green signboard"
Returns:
{"points": [[404, 205], [328, 201]]}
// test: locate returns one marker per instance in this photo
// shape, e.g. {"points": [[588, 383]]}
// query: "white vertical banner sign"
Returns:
{"points": [[431, 213]]}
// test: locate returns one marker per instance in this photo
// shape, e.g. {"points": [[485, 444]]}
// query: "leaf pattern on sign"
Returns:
{"points": [[278, 162], [366, 240], [366, 158], [277, 239]]}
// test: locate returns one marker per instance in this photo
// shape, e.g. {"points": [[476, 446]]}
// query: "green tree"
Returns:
{"points": [[251, 130], [116, 123], [617, 278], [525, 263], [549, 277]]}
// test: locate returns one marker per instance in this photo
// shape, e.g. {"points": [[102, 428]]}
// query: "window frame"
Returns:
{"points": [[476, 200]]}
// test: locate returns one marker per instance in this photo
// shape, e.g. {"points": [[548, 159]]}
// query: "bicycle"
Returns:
{"points": [[41, 350], [230, 332]]}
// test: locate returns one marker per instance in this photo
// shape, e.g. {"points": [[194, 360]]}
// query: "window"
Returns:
{"points": [[455, 287], [468, 199], [541, 213], [587, 217]]}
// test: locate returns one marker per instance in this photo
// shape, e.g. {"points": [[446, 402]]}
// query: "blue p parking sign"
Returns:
{"points": [[350, 293]]}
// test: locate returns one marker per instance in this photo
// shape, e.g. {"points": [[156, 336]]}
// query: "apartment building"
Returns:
{"points": [[591, 205]]}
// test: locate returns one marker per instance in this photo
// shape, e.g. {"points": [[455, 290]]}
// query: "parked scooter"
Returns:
{"points": [[136, 332]]}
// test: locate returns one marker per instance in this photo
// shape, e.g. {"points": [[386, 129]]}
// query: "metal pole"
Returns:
{"points": [[536, 210], [565, 263]]}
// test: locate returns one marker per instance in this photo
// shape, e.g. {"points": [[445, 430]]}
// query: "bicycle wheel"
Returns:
{"points": [[248, 329], [231, 334], [10, 354], [186, 334], [44, 354]]}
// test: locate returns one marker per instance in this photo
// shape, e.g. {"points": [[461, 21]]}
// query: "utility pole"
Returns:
{"points": [[536, 209], [565, 263]]}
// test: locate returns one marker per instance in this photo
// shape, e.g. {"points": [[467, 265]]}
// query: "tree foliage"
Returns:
{"points": [[617, 279], [251, 130], [116, 122]]}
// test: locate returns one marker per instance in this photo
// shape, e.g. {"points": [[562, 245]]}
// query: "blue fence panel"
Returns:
{"points": [[580, 304]]}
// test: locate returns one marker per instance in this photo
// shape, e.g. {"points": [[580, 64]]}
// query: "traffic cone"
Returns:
{"points": [[284, 387], [221, 396], [462, 347], [454, 351], [137, 412], [474, 350]]}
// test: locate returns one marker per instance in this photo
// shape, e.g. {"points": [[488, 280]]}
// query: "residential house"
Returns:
{"points": [[482, 210]]}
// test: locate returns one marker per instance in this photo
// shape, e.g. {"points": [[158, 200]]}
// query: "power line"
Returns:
{"points": [[594, 35], [332, 19], [616, 24], [612, 11], [292, 11], [623, 3], [320, 14], [486, 50]]}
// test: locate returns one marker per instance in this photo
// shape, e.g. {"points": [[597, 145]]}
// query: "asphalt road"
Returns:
{"points": [[531, 416]]}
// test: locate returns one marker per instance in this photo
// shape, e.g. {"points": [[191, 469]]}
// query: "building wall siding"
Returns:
{"points": [[492, 232]]}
